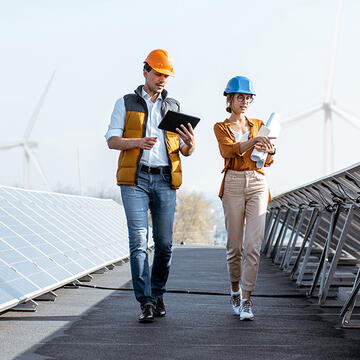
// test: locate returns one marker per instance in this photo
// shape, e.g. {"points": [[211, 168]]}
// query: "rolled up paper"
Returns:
{"points": [[272, 128]]}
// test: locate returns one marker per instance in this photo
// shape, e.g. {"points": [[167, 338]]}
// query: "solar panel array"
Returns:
{"points": [[48, 240], [313, 233]]}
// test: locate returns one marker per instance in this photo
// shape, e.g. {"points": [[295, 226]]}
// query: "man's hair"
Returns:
{"points": [[147, 67]]}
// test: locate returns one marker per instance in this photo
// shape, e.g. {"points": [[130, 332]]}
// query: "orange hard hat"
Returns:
{"points": [[161, 61]]}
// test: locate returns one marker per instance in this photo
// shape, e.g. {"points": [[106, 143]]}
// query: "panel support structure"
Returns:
{"points": [[314, 218], [328, 279], [30, 305], [272, 231], [293, 239], [325, 253], [49, 296], [349, 305], [308, 251]]}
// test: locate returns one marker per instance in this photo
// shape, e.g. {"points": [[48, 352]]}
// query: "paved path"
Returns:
{"points": [[199, 326]]}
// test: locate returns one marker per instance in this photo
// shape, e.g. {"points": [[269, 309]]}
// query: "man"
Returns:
{"points": [[149, 172]]}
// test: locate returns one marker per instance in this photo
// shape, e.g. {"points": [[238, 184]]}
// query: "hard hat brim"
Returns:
{"points": [[239, 92], [164, 71]]}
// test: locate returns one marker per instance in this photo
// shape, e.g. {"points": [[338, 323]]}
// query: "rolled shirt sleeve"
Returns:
{"points": [[117, 121], [228, 149]]}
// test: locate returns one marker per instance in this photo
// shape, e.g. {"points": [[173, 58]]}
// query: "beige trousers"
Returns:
{"points": [[244, 202]]}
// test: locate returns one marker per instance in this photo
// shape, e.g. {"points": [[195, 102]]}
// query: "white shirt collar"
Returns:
{"points": [[146, 96]]}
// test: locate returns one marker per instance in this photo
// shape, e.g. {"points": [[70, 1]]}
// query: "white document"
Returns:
{"points": [[271, 129]]}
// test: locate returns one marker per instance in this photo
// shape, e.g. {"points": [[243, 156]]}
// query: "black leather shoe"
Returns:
{"points": [[147, 314], [160, 307]]}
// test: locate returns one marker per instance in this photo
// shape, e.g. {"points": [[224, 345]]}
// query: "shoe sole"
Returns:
{"points": [[146, 320], [159, 315], [247, 318], [236, 312]]}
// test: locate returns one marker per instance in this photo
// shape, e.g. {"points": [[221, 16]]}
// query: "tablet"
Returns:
{"points": [[173, 120]]}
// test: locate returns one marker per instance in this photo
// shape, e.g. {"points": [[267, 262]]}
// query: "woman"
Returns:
{"points": [[244, 192]]}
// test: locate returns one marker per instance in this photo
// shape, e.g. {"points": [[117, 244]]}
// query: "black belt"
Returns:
{"points": [[155, 170]]}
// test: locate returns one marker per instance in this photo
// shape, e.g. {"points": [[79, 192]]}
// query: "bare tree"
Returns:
{"points": [[194, 219]]}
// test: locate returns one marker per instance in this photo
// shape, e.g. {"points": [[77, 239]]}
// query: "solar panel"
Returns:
{"points": [[48, 240], [324, 215]]}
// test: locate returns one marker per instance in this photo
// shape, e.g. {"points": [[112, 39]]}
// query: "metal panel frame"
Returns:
{"points": [[319, 218]]}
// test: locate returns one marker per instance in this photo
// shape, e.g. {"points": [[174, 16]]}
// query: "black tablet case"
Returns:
{"points": [[173, 120]]}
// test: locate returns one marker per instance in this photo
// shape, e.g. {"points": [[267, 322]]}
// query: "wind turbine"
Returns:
{"points": [[328, 106], [28, 145]]}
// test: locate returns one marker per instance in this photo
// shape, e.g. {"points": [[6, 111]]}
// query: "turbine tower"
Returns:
{"points": [[328, 106], [28, 145]]}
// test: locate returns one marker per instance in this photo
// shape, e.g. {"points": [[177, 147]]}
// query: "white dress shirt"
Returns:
{"points": [[157, 156], [240, 137]]}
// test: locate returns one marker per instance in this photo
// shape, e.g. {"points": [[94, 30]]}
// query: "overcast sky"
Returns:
{"points": [[97, 49]]}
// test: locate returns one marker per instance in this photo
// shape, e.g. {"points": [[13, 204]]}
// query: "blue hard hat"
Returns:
{"points": [[239, 84]]}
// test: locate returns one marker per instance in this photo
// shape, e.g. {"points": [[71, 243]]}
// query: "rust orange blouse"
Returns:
{"points": [[230, 149]]}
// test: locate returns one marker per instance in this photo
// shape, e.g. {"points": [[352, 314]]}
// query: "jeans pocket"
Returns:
{"points": [[259, 176], [166, 177]]}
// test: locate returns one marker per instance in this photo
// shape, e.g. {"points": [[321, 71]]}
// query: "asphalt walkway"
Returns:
{"points": [[198, 325]]}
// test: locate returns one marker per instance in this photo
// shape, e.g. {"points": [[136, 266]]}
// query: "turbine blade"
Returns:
{"points": [[32, 144], [7, 147], [301, 115], [350, 118], [37, 109], [34, 159]]}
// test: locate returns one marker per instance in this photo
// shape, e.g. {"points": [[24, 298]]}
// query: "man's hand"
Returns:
{"points": [[119, 143], [147, 143], [188, 136]]}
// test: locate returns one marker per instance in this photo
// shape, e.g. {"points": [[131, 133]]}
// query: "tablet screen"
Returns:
{"points": [[173, 120]]}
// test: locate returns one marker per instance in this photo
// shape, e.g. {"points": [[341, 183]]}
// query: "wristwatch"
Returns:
{"points": [[273, 153]]}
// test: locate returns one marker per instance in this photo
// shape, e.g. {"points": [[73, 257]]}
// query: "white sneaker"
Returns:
{"points": [[235, 301], [246, 310]]}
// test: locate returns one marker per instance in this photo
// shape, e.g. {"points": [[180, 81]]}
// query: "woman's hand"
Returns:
{"points": [[263, 144], [263, 141], [265, 148]]}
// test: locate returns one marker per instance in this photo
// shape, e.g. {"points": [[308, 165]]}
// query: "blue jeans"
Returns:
{"points": [[152, 192]]}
